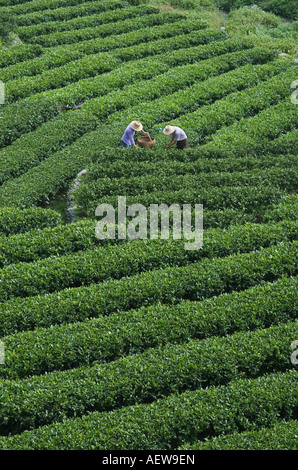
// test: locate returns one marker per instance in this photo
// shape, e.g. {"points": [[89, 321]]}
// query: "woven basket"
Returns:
{"points": [[146, 142]]}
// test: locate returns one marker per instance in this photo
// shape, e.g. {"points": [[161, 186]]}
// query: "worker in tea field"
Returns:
{"points": [[128, 136], [178, 137]]}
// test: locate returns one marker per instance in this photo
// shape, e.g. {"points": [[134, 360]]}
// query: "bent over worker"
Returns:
{"points": [[178, 137], [128, 136]]}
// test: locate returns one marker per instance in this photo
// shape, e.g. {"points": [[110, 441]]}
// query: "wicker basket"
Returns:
{"points": [[146, 142]]}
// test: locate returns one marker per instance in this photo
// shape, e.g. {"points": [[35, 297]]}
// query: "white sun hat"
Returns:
{"points": [[169, 130], [136, 125]]}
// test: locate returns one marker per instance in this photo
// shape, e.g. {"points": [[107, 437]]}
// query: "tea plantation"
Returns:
{"points": [[140, 344]]}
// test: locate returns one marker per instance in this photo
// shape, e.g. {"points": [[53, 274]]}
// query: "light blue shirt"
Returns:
{"points": [[128, 136]]}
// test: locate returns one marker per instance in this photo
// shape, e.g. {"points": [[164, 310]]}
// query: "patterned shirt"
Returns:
{"points": [[179, 134], [128, 136]]}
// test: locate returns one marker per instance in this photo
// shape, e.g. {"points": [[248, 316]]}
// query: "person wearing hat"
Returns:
{"points": [[178, 137], [128, 136]]}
